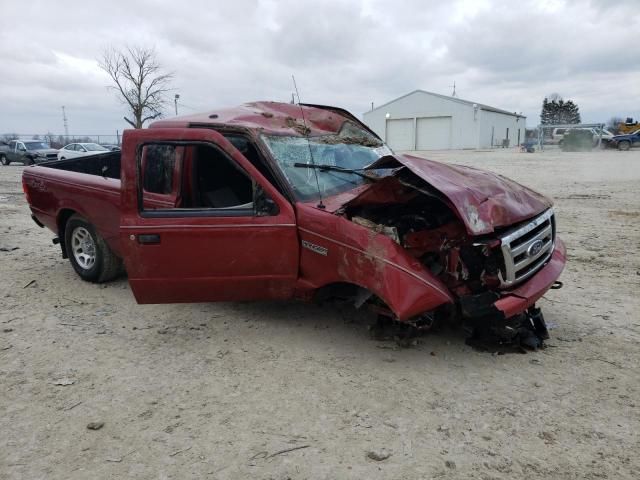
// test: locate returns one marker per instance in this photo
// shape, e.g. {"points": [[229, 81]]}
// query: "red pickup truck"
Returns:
{"points": [[279, 201]]}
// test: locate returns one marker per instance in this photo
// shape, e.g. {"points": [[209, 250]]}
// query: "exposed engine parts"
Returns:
{"points": [[472, 267], [429, 230]]}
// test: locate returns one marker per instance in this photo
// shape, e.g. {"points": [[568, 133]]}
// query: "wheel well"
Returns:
{"points": [[336, 290], [63, 217], [351, 292]]}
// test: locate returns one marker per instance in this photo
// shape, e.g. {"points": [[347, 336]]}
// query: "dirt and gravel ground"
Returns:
{"points": [[289, 390]]}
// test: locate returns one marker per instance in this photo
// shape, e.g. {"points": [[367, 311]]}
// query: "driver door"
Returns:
{"points": [[200, 224]]}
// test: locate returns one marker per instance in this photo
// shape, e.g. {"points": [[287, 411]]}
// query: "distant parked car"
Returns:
{"points": [[74, 150], [111, 147], [557, 135], [27, 152], [606, 135], [4, 149], [625, 142]]}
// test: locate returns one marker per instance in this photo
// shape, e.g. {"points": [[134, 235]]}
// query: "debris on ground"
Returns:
{"points": [[64, 381], [287, 450], [95, 425], [180, 451], [378, 455], [520, 333], [118, 460], [71, 407]]}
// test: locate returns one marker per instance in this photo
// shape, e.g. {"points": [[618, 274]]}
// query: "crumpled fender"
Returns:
{"points": [[335, 250]]}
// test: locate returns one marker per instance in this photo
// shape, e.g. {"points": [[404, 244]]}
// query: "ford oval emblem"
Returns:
{"points": [[535, 248]]}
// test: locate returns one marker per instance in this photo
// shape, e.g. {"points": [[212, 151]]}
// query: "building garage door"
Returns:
{"points": [[433, 133], [400, 133]]}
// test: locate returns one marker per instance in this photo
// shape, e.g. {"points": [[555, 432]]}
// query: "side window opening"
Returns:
{"points": [[219, 183], [250, 152], [196, 178]]}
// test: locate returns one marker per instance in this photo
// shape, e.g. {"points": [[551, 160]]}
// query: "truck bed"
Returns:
{"points": [[87, 186], [104, 165]]}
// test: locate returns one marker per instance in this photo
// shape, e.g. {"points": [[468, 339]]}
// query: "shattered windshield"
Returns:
{"points": [[352, 148]]}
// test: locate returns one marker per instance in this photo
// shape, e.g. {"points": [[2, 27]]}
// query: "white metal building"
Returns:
{"points": [[424, 120]]}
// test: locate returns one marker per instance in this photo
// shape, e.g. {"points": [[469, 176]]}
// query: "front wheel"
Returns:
{"points": [[4, 160], [29, 161], [89, 254], [624, 145]]}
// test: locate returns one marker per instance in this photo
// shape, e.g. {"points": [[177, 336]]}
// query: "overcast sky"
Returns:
{"points": [[508, 54]]}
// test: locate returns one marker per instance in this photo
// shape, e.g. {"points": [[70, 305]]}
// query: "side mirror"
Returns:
{"points": [[22, 148], [264, 205], [269, 207]]}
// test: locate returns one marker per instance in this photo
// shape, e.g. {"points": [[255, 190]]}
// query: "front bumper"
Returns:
{"points": [[513, 302]]}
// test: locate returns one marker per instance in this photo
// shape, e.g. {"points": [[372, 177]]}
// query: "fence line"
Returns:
{"points": [[59, 141]]}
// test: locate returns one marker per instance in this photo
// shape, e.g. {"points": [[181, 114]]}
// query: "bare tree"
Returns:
{"points": [[139, 81], [7, 137]]}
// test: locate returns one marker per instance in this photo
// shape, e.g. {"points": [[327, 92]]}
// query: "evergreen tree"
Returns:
{"points": [[557, 111]]}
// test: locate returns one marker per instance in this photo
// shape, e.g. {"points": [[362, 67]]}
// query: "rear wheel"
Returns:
{"points": [[624, 145], [88, 253], [4, 160]]}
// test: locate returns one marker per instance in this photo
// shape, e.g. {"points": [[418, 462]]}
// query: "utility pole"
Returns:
{"points": [[66, 125], [175, 101], [453, 94], [372, 106]]}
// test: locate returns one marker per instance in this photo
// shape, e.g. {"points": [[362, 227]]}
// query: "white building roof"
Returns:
{"points": [[453, 99]]}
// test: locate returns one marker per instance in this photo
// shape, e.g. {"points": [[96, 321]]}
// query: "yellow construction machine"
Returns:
{"points": [[628, 126]]}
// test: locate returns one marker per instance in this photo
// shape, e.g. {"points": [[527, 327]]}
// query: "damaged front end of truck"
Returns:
{"points": [[491, 241], [420, 240]]}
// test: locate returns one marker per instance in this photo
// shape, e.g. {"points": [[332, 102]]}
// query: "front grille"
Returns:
{"points": [[527, 248]]}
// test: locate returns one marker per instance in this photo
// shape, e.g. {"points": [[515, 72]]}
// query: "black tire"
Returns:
{"points": [[624, 145], [62, 158], [29, 161], [89, 254], [4, 160]]}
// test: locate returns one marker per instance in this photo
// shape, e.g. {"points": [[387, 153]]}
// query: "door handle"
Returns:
{"points": [[149, 238]]}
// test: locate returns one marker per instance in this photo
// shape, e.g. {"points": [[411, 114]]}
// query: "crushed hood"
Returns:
{"points": [[483, 200]]}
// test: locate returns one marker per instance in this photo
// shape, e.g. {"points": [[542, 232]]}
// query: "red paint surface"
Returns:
{"points": [[267, 117], [250, 258]]}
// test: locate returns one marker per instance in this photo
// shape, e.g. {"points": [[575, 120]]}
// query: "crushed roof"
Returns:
{"points": [[269, 117]]}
